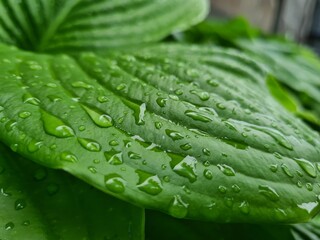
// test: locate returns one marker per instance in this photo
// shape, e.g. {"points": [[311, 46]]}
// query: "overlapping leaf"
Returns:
{"points": [[191, 131], [73, 25], [40, 203]]}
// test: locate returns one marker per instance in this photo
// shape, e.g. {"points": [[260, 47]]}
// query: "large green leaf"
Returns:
{"points": [[38, 203], [191, 131], [72, 25]]}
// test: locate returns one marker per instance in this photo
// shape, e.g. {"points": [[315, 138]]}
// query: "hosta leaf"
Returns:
{"points": [[72, 25], [38, 203], [191, 131]]}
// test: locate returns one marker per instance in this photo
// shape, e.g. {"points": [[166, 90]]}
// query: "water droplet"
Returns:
{"points": [[274, 167], [55, 127], [101, 120], [9, 226], [228, 201], [82, 128], [235, 188], [81, 84], [26, 223], [102, 99], [89, 144], [166, 178], [40, 174], [96, 161], [20, 204], [52, 189], [184, 166], [178, 92], [309, 186], [207, 174], [34, 146], [222, 189], [186, 146], [113, 157], [140, 119], [277, 155], [92, 169], [197, 116], [206, 151], [52, 85], [286, 170], [227, 170], [24, 114], [14, 147], [161, 102], [28, 98], [54, 98], [121, 87], [220, 106], [178, 208], [158, 125], [133, 155], [174, 135], [244, 207], [114, 183], [68, 157], [113, 143], [299, 184], [307, 166], [213, 83], [269, 192], [10, 125], [149, 183]]}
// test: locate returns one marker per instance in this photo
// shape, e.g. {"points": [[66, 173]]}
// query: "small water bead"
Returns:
{"points": [[178, 92], [286, 170], [115, 183], [309, 186], [206, 163], [55, 127], [197, 116], [89, 144], [82, 128], [52, 189], [24, 114], [207, 174], [149, 183], [53, 146], [114, 157], [186, 189], [14, 147], [186, 146], [96, 161], [300, 174], [28, 98], [174, 135], [226, 170], [20, 204], [40, 174], [113, 143], [274, 168], [92, 169], [9, 226], [307, 166], [185, 167], [68, 157], [213, 83], [101, 120], [228, 201], [277, 155], [178, 208], [51, 85], [34, 146], [222, 189], [166, 178], [161, 102], [299, 184], [25, 223], [10, 125], [221, 106], [235, 188], [206, 151], [102, 99], [121, 87], [133, 155], [54, 98], [81, 84], [269, 193], [158, 125], [244, 207]]}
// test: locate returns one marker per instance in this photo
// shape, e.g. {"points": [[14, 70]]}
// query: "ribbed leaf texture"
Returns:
{"points": [[73, 25], [43, 204], [190, 131]]}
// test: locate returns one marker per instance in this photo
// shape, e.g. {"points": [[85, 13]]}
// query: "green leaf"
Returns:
{"points": [[73, 25], [39, 203], [191, 131]]}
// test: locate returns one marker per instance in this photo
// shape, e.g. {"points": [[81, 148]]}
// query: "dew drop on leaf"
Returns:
{"points": [[269, 193], [92, 169], [222, 189], [14, 147], [235, 188], [206, 151], [113, 143], [28, 98], [197, 116], [133, 155], [55, 127], [207, 174], [274, 167], [226, 170], [102, 99], [158, 125], [161, 102], [34, 146], [186, 146], [89, 144], [149, 183], [113, 157], [81, 84], [286, 170], [9, 226], [184, 166], [244, 207], [114, 183], [309, 186], [101, 120], [24, 114], [20, 204], [228, 201], [178, 208], [174, 135], [307, 166], [68, 157]]}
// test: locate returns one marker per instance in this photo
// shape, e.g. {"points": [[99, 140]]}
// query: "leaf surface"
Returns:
{"points": [[48, 204], [191, 131], [73, 25]]}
